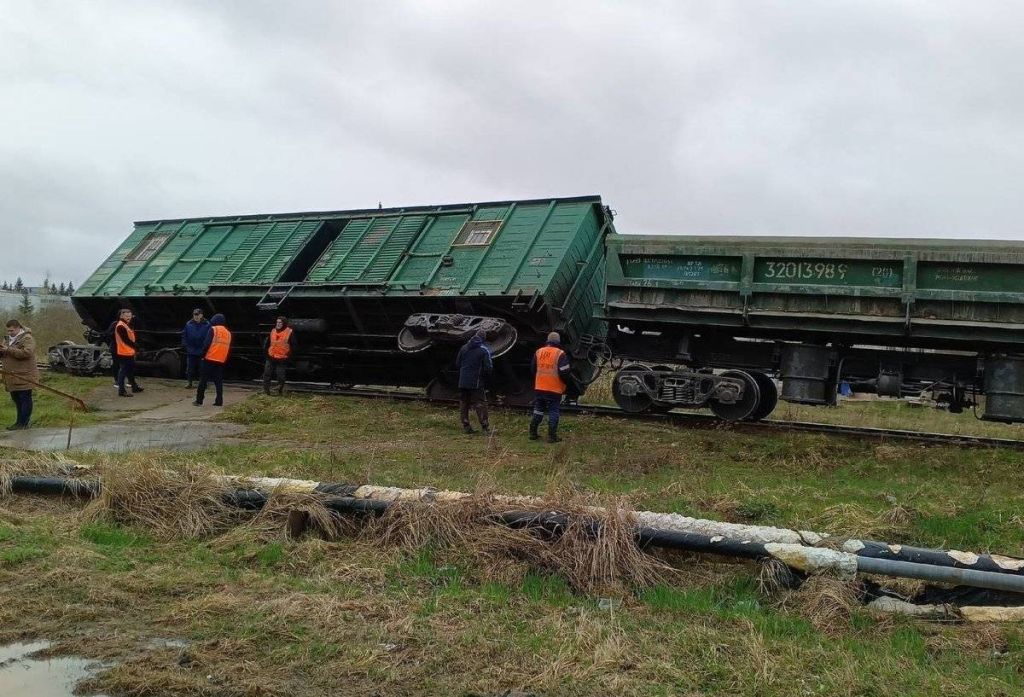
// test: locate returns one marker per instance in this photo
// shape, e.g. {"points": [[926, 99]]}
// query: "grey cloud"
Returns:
{"points": [[826, 118]]}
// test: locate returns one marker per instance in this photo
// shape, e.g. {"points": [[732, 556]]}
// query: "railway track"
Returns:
{"points": [[689, 420], [685, 419]]}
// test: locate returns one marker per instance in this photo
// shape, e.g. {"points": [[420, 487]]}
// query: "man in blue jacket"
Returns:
{"points": [[474, 364], [193, 337]]}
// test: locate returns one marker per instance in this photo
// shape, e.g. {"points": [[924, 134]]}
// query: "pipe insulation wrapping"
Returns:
{"points": [[673, 521], [797, 556]]}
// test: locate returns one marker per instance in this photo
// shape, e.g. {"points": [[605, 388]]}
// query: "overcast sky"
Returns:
{"points": [[874, 118]]}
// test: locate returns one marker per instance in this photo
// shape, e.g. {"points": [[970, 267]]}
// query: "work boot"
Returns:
{"points": [[125, 394], [266, 391], [197, 403], [466, 428], [16, 427], [485, 428], [534, 424], [137, 388], [189, 386], [218, 403], [553, 437]]}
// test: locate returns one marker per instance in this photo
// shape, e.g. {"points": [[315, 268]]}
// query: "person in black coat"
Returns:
{"points": [[474, 364]]}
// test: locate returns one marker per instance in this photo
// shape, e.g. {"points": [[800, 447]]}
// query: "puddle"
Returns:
{"points": [[24, 676]]}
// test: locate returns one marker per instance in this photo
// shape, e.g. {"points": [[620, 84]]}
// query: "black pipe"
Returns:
{"points": [[645, 536], [932, 557], [56, 486], [555, 522]]}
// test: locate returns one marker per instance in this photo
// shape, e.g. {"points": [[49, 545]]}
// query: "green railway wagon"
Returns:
{"points": [[378, 296], [723, 315]]}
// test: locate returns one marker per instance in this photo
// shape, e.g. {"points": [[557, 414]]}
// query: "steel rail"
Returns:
{"points": [[682, 418]]}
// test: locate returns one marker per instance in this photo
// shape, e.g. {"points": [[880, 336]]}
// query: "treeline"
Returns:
{"points": [[48, 287]]}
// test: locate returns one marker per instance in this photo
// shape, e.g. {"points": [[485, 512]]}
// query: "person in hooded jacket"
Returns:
{"points": [[216, 351], [280, 346], [18, 355], [474, 364], [193, 338]]}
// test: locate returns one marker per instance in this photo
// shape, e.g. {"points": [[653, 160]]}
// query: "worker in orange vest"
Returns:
{"points": [[125, 349], [551, 370], [280, 346], [216, 350]]}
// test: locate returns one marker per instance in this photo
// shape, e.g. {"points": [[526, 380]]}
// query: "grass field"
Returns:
{"points": [[272, 616], [53, 410]]}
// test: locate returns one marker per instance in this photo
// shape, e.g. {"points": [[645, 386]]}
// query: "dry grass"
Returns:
{"points": [[826, 602], [594, 551], [51, 325], [288, 514], [180, 500], [853, 520], [905, 588], [774, 577]]}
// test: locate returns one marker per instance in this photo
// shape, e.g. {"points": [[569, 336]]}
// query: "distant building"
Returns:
{"points": [[11, 301]]}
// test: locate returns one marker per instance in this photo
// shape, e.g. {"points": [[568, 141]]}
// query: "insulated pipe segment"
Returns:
{"points": [[803, 558], [941, 574], [674, 522], [936, 557], [56, 486]]}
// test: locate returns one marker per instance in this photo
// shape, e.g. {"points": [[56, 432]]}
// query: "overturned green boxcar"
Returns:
{"points": [[889, 316], [377, 296]]}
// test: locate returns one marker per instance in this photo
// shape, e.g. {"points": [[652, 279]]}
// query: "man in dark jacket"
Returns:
{"points": [[193, 336], [216, 350], [474, 364], [280, 346]]}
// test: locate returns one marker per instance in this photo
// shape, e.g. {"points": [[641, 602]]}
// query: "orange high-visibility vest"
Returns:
{"points": [[548, 379], [279, 348], [123, 349], [219, 347]]}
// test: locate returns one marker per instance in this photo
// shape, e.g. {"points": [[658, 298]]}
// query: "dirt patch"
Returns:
{"points": [[161, 417]]}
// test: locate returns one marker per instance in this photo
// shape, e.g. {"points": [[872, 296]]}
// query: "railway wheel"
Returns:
{"points": [[410, 343], [746, 405], [632, 388], [769, 396], [169, 363]]}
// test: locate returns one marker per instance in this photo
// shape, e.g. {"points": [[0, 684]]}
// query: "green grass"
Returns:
{"points": [[113, 536], [289, 617], [52, 410]]}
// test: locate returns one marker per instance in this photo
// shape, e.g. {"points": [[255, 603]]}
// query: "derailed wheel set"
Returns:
{"points": [[386, 296]]}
